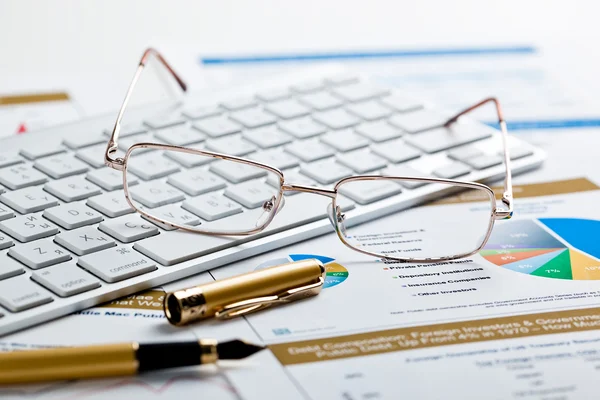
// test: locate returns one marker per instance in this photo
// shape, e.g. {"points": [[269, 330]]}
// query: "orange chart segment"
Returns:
{"points": [[510, 257], [584, 267]]}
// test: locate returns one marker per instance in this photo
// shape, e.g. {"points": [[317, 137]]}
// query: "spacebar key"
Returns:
{"points": [[174, 247]]}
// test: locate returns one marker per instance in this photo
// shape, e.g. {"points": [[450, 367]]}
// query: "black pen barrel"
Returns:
{"points": [[153, 356]]}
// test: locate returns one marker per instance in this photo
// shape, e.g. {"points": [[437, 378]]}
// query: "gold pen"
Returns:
{"points": [[102, 361], [246, 293]]}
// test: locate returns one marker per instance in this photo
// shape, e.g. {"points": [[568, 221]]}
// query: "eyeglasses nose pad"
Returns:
{"points": [[267, 207], [336, 216]]}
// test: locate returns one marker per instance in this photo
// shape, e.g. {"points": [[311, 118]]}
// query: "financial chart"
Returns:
{"points": [[561, 248]]}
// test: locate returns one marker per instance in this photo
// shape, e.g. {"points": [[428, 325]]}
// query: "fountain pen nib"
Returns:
{"points": [[237, 349]]}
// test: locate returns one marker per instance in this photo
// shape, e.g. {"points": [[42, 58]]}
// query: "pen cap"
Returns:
{"points": [[206, 300]]}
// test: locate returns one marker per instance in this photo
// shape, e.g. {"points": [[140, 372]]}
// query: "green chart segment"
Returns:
{"points": [[560, 248]]}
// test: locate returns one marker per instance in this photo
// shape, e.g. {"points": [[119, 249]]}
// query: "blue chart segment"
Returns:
{"points": [[335, 272], [561, 248], [580, 233]]}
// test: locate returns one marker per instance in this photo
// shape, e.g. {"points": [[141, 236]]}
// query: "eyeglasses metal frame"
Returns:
{"points": [[121, 164]]}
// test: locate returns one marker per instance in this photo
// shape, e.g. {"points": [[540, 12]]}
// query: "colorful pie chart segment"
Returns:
{"points": [[335, 273], [560, 248]]}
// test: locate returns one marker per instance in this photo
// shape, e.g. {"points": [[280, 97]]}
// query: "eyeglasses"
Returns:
{"points": [[418, 234]]}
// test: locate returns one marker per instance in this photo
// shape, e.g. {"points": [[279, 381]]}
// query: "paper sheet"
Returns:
{"points": [[373, 321], [23, 113]]}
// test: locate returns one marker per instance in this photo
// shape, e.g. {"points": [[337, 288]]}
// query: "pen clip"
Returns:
{"points": [[259, 303]]}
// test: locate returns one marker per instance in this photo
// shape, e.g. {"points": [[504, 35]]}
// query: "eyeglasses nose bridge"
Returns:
{"points": [[309, 189]]}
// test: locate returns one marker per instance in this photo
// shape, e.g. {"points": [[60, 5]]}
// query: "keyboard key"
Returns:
{"points": [[8, 159], [358, 92], [418, 120], [378, 131], [164, 121], [273, 95], [78, 141], [72, 189], [66, 280], [361, 161], [464, 153], [20, 176], [396, 151], [5, 212], [217, 126], [85, 240], [287, 109], [231, 145], [325, 171], [250, 194], [35, 151], [484, 161], [110, 204], [174, 214], [187, 159], [369, 110], [344, 140], [181, 135], [60, 166], [446, 138], [129, 228], [28, 200], [5, 242], [302, 128], [211, 206], [341, 79], [9, 267], [401, 104], [127, 129], [517, 152], [321, 101], [110, 179], [276, 158], [117, 264], [452, 170], [337, 119], [253, 118], [155, 194], [39, 254], [267, 137], [126, 143], [405, 170], [309, 150], [196, 181], [236, 172], [93, 155], [239, 103], [201, 112], [367, 192], [307, 87], [18, 294], [73, 215], [151, 166], [26, 228]]}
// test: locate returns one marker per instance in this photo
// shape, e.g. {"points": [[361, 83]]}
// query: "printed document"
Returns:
{"points": [[517, 320]]}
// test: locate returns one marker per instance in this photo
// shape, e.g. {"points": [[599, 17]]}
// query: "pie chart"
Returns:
{"points": [[560, 248], [335, 272]]}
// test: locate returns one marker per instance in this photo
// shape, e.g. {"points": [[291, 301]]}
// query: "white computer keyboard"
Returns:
{"points": [[69, 239]]}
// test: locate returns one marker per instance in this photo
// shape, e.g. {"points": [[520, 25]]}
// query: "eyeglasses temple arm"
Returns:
{"points": [[507, 196], [112, 146]]}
